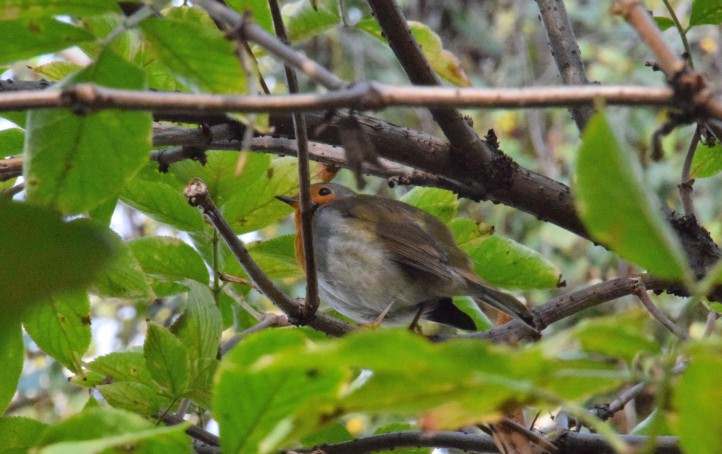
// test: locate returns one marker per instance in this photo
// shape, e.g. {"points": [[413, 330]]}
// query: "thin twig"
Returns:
{"points": [[682, 32], [686, 183], [304, 178], [197, 194], [710, 323], [245, 28], [363, 96], [268, 321], [606, 411], [195, 432], [565, 52], [569, 442], [656, 312]]}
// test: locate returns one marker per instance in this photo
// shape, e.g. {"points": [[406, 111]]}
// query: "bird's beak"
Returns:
{"points": [[287, 200]]}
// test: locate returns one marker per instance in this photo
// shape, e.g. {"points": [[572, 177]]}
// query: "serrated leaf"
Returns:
{"points": [[13, 9], [36, 240], [74, 163], [123, 277], [259, 10], [11, 142], [618, 210], [505, 263], [169, 259], [706, 12], [162, 202], [12, 355], [195, 51], [267, 418], [303, 21], [98, 429], [56, 70], [61, 327], [167, 359], [443, 62], [440, 203], [19, 433], [707, 161], [199, 329], [32, 37], [136, 397], [696, 399], [122, 366]]}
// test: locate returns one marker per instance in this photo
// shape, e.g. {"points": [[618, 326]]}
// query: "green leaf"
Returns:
{"points": [[443, 62], [136, 397], [438, 202], [61, 327], [219, 172], [697, 397], [13, 9], [276, 257], [716, 307], [617, 209], [56, 70], [505, 263], [123, 277], [11, 142], [98, 429], [663, 22], [19, 433], [452, 384], [12, 355], [169, 259], [199, 329], [32, 37], [123, 366], [618, 336], [162, 202], [74, 163], [707, 161], [303, 21], [257, 207], [36, 240], [706, 12], [259, 10], [470, 308], [195, 51], [167, 359], [268, 415], [103, 213]]}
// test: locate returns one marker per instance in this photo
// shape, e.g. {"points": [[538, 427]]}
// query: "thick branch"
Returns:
{"points": [[570, 442], [565, 51], [363, 96], [197, 194]]}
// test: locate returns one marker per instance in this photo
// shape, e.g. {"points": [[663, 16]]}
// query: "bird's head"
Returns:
{"points": [[321, 194]]}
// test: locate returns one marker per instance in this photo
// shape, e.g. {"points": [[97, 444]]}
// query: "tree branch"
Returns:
{"points": [[565, 51], [362, 96], [656, 312], [569, 442], [686, 183], [197, 194], [304, 179], [195, 432]]}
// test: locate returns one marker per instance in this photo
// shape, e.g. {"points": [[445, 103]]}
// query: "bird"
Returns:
{"points": [[380, 260]]}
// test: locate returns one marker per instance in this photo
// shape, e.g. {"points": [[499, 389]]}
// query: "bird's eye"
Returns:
{"points": [[324, 191]]}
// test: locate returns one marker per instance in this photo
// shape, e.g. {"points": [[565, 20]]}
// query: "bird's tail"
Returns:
{"points": [[501, 301]]}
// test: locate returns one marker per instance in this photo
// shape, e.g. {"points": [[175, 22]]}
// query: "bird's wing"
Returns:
{"points": [[405, 231]]}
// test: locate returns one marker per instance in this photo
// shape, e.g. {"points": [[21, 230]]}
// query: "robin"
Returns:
{"points": [[380, 259]]}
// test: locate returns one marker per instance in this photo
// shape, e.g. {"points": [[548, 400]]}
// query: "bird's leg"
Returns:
{"points": [[378, 320], [414, 326]]}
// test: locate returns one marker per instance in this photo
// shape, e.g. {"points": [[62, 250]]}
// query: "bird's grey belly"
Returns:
{"points": [[358, 280]]}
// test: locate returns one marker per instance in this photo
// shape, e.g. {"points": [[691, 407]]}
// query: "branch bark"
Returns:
{"points": [[569, 442], [565, 51]]}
